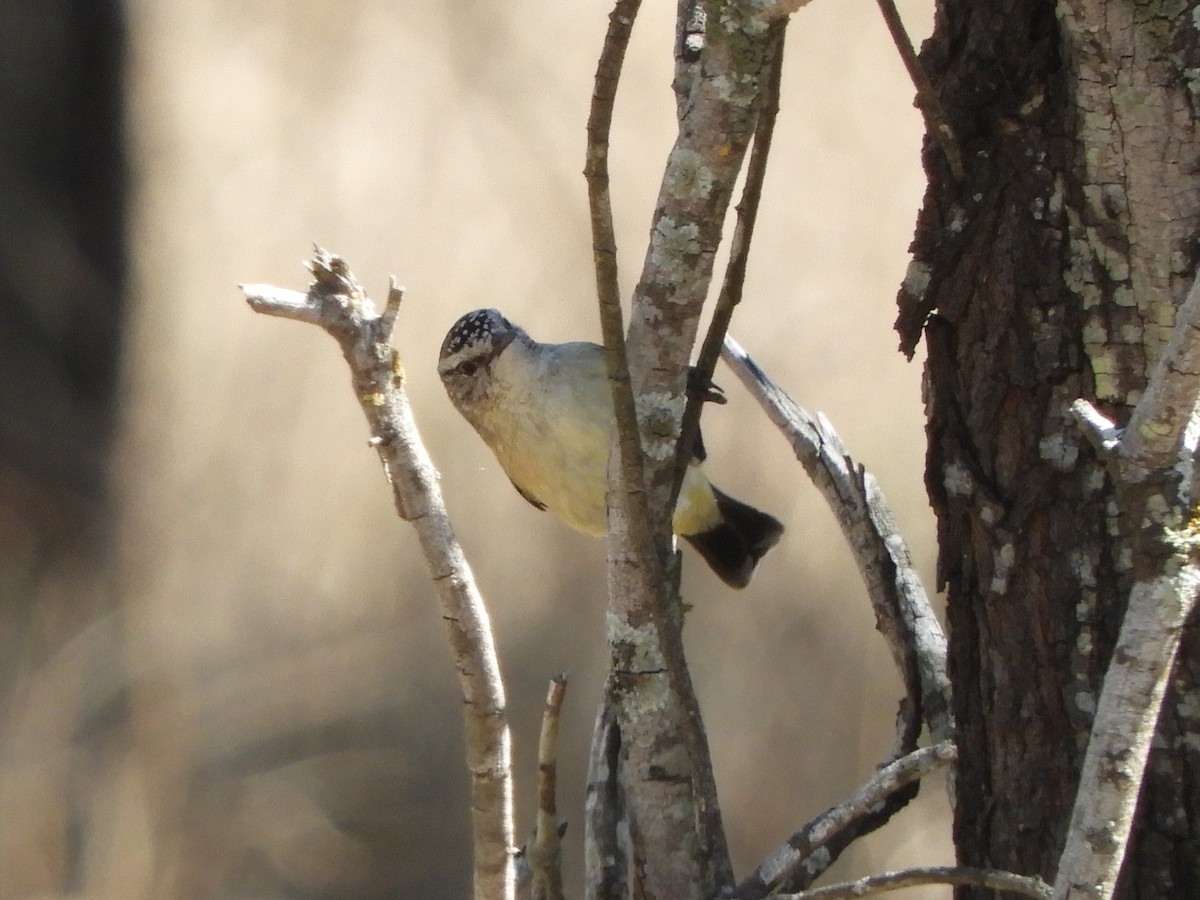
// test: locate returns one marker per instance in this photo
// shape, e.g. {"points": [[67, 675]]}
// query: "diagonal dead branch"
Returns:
{"points": [[928, 102], [1152, 461], [337, 304], [789, 857], [545, 860], [964, 876], [1155, 432], [1126, 715], [903, 612]]}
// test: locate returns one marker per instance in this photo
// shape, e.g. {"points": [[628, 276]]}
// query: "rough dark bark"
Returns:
{"points": [[1051, 271]]}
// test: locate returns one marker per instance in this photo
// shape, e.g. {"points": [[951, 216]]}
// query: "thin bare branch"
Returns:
{"points": [[928, 102], [1100, 430], [604, 250], [338, 304], [544, 854], [1126, 716], [965, 876], [283, 302], [739, 247], [801, 846]]}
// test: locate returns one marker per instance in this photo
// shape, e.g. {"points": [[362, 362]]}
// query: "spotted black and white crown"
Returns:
{"points": [[476, 338], [475, 328]]}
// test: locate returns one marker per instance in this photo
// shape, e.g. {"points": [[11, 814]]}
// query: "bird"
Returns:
{"points": [[545, 411]]}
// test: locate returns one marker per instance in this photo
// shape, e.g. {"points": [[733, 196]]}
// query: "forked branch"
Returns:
{"points": [[337, 304], [902, 610]]}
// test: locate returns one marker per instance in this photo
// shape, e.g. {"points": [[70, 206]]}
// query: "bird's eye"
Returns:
{"points": [[468, 368]]}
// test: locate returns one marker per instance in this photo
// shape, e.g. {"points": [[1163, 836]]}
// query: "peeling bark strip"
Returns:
{"points": [[337, 303], [1054, 271]]}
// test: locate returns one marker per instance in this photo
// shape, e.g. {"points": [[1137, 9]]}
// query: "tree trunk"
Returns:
{"points": [[1052, 271]]}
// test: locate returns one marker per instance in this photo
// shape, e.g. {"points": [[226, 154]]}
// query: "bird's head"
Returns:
{"points": [[469, 352]]}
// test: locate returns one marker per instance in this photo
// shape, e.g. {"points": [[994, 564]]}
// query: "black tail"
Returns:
{"points": [[735, 546]]}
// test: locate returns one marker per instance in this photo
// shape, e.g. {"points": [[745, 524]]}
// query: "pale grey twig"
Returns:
{"points": [[966, 876], [337, 303]]}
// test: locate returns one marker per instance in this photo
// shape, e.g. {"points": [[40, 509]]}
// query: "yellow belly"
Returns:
{"points": [[571, 479], [555, 438]]}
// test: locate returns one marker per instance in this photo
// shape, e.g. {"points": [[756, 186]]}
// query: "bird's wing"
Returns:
{"points": [[534, 501]]}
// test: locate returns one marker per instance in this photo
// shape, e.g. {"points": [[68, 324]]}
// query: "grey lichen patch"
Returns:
{"points": [[957, 220], [957, 480], [736, 89], [1002, 560], [1059, 453], [1104, 368], [1095, 332], [1187, 712], [1122, 295], [673, 761], [1054, 206], [916, 279], [659, 415], [653, 699], [1094, 478], [1085, 702], [750, 17], [644, 655], [688, 178], [1158, 510], [673, 248], [1192, 77], [1083, 567]]}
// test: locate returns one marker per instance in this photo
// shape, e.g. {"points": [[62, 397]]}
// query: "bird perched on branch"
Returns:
{"points": [[545, 410]]}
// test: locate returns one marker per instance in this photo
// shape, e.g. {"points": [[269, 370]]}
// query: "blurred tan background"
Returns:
{"points": [[230, 678]]}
